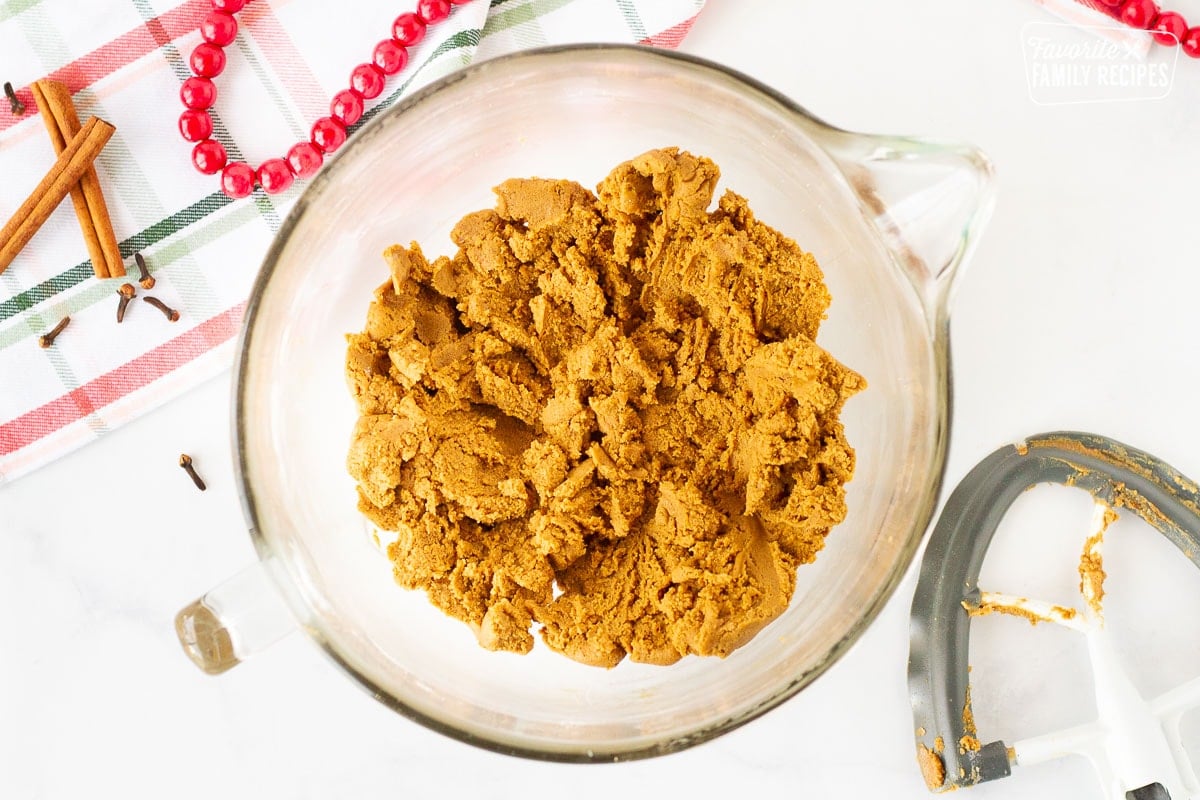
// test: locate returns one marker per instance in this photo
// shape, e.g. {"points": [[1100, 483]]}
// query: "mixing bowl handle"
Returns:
{"points": [[237, 619], [929, 200]]}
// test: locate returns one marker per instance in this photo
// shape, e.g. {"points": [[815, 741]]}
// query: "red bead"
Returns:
{"points": [[1191, 42], [347, 107], [390, 56], [209, 156], [305, 159], [1169, 28], [219, 28], [408, 29], [208, 60], [367, 80], [275, 176], [328, 134], [229, 6], [1139, 13], [1112, 3], [196, 126], [237, 180], [198, 93], [433, 10]]}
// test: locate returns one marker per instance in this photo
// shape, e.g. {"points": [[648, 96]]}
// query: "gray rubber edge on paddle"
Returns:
{"points": [[1154, 791], [1121, 476]]}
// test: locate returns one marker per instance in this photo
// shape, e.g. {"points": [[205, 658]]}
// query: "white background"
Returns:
{"points": [[1079, 311]]}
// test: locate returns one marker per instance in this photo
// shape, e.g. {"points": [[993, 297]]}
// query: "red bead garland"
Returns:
{"points": [[391, 56], [1170, 28], [328, 134], [209, 156], [195, 126], [305, 159], [237, 180], [219, 28], [1167, 27], [367, 81], [208, 60], [1191, 42], [408, 29], [1139, 13], [275, 176], [433, 10], [346, 107], [198, 93]]}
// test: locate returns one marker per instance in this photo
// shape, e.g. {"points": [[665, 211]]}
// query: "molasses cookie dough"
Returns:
{"points": [[605, 416]]}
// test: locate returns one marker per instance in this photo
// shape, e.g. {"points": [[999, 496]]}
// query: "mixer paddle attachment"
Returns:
{"points": [[1134, 744]]}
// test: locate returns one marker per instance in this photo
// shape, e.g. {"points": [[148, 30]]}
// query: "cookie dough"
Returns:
{"points": [[605, 418]]}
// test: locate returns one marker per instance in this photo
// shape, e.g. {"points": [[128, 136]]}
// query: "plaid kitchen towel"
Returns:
{"points": [[124, 60]]}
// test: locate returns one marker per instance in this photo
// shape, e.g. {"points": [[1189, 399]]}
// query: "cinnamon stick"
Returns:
{"points": [[62, 123], [59, 139], [71, 165]]}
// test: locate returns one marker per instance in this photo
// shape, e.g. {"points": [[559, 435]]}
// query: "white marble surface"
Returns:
{"points": [[1078, 312]]}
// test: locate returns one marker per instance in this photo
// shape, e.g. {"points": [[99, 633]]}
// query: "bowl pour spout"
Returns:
{"points": [[928, 199]]}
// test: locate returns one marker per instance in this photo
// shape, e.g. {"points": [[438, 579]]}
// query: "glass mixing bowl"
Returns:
{"points": [[888, 219]]}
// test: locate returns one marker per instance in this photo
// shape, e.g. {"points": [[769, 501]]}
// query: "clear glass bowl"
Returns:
{"points": [[888, 219]]}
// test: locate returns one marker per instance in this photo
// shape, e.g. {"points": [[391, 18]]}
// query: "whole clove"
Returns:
{"points": [[127, 293], [168, 312], [145, 279], [47, 339], [18, 108], [185, 461]]}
